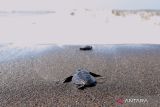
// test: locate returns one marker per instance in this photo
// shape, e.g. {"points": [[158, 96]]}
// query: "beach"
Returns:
{"points": [[80, 26], [33, 77]]}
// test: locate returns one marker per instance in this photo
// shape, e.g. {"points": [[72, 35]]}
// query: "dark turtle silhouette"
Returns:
{"points": [[86, 48], [72, 13], [82, 78]]}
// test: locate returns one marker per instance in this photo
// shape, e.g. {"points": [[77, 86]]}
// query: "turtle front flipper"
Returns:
{"points": [[95, 75], [68, 79]]}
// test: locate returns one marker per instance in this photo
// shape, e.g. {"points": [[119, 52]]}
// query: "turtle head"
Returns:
{"points": [[82, 85], [79, 69], [82, 69]]}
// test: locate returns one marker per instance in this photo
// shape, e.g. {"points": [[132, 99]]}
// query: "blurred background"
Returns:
{"points": [[79, 21]]}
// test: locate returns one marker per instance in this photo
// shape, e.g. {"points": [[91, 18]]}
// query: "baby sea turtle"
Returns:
{"points": [[86, 48], [82, 78]]}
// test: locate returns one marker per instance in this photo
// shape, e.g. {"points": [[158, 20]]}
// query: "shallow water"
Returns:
{"points": [[12, 52]]}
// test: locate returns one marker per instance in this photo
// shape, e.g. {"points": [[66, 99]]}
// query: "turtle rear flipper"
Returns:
{"points": [[68, 79], [95, 75]]}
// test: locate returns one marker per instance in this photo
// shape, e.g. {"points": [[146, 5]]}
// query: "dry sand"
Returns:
{"points": [[34, 78]]}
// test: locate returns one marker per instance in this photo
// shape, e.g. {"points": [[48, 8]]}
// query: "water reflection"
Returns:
{"points": [[14, 51]]}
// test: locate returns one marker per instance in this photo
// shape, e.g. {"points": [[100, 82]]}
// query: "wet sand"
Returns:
{"points": [[31, 77]]}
